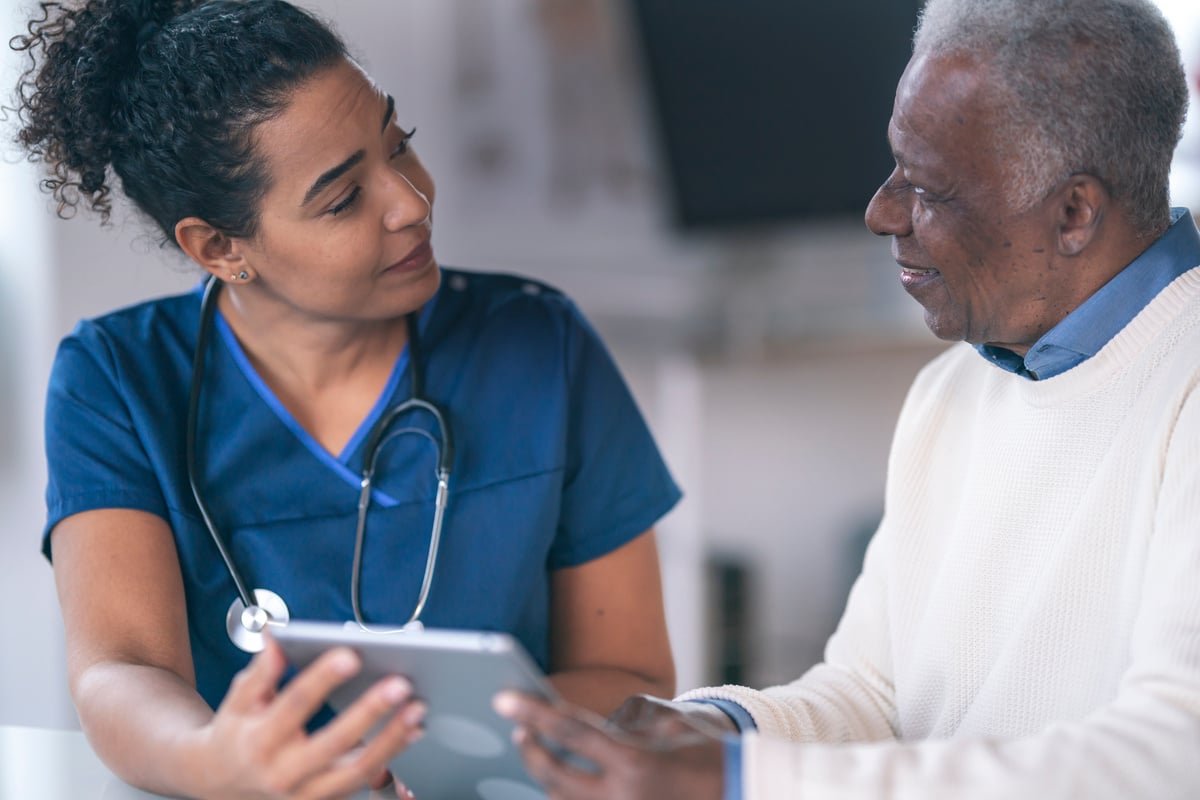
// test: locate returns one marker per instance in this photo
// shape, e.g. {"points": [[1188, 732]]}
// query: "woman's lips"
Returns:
{"points": [[420, 256]]}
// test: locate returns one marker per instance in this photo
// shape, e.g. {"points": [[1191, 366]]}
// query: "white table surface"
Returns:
{"points": [[40, 764]]}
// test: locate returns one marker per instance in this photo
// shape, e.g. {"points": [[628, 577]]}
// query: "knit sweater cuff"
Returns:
{"points": [[767, 718]]}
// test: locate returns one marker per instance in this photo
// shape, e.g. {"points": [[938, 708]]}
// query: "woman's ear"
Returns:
{"points": [[218, 253], [1083, 202]]}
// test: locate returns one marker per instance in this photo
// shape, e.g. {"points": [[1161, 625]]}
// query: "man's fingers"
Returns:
{"points": [[556, 776], [571, 732], [642, 715], [649, 719], [633, 714]]}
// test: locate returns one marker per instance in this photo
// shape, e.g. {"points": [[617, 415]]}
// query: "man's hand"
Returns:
{"points": [[668, 758], [653, 717]]}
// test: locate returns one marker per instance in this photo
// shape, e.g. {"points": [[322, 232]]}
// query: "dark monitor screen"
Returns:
{"points": [[772, 111]]}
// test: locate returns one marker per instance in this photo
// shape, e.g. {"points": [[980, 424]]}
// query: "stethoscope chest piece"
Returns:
{"points": [[245, 626]]}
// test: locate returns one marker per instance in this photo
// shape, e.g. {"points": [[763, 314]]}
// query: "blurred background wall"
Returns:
{"points": [[770, 353]]}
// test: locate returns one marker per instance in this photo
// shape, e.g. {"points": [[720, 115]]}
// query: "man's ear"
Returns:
{"points": [[1082, 204], [217, 252]]}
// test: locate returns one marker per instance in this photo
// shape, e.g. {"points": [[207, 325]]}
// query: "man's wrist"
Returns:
{"points": [[726, 715], [720, 715]]}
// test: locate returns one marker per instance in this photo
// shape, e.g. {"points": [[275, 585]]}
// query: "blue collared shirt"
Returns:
{"points": [[1083, 332], [733, 744]]}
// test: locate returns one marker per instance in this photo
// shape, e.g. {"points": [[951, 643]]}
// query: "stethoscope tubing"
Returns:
{"points": [[208, 308], [262, 607]]}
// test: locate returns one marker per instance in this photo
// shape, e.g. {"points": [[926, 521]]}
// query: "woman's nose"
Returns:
{"points": [[407, 205], [888, 213]]}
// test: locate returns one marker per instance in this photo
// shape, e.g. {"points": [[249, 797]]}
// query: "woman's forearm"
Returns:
{"points": [[603, 689], [146, 723]]}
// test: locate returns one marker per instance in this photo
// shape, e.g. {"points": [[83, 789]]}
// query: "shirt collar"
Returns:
{"points": [[1083, 332]]}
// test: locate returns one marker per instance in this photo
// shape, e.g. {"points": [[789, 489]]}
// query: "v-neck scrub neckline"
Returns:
{"points": [[338, 464]]}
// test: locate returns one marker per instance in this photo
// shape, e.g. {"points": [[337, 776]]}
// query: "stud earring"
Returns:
{"points": [[241, 276]]}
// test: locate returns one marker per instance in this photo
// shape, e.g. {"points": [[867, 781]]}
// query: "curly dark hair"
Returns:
{"points": [[165, 95]]}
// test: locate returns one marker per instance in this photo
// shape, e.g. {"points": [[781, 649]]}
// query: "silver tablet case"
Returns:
{"points": [[467, 750]]}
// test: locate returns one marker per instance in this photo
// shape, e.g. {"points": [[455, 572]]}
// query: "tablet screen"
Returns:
{"points": [[467, 750]]}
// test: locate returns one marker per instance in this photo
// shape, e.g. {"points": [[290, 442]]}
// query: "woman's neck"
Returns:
{"points": [[329, 374], [311, 353]]}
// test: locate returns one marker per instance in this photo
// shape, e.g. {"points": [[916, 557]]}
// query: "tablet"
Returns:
{"points": [[467, 751]]}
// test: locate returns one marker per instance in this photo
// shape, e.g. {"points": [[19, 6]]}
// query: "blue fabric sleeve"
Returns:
{"points": [[94, 456], [733, 744], [616, 485], [736, 712], [733, 767]]}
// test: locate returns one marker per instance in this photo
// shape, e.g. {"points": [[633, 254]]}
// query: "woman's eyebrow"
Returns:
{"points": [[387, 115], [331, 175]]}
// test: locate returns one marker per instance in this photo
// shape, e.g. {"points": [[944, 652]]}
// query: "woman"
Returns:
{"points": [[260, 149]]}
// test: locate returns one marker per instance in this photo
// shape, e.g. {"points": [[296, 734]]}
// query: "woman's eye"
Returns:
{"points": [[344, 205], [402, 147]]}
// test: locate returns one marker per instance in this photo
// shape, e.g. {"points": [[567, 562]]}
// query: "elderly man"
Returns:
{"points": [[1027, 621]]}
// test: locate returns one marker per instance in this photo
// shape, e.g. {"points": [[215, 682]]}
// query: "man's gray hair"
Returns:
{"points": [[1089, 86]]}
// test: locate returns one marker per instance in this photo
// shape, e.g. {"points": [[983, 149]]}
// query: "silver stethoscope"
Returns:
{"points": [[250, 614]]}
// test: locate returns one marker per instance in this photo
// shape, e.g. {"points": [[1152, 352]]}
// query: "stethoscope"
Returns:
{"points": [[250, 614]]}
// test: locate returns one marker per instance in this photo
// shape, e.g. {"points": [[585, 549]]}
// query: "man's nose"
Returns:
{"points": [[888, 213]]}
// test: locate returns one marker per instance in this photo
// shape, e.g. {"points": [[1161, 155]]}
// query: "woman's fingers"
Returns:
{"points": [[399, 733], [345, 732], [263, 730], [362, 766], [255, 685], [403, 792], [304, 694], [381, 780]]}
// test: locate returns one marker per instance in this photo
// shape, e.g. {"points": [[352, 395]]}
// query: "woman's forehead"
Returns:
{"points": [[333, 114]]}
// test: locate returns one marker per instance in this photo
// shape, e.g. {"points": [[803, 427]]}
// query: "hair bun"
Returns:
{"points": [[81, 53], [147, 32], [160, 97]]}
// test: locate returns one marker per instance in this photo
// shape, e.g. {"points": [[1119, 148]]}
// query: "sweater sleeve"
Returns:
{"points": [[1142, 744]]}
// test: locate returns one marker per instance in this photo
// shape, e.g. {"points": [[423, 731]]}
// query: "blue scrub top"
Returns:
{"points": [[554, 465]]}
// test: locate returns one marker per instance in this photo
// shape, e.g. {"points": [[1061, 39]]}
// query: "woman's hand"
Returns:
{"points": [[676, 760], [257, 746]]}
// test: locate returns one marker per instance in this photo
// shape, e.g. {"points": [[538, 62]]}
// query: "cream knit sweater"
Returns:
{"points": [[1027, 622]]}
